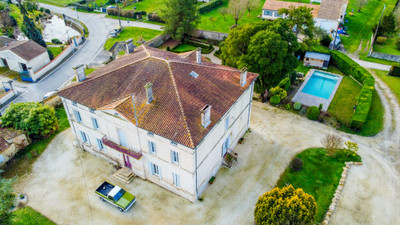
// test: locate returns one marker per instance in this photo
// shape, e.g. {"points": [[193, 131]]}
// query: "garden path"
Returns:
{"points": [[212, 57]]}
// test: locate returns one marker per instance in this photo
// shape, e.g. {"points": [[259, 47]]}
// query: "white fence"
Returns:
{"points": [[57, 60]]}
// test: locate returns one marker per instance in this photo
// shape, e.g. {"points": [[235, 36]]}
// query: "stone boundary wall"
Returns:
{"points": [[157, 40], [394, 58], [338, 191], [7, 96], [212, 35]]}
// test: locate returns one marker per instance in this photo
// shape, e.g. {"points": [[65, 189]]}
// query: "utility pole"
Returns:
{"points": [[376, 32], [119, 18]]}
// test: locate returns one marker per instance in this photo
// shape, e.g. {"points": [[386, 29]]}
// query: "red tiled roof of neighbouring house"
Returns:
{"points": [[178, 97], [276, 5], [25, 49]]}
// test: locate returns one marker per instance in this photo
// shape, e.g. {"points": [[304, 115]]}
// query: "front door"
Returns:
{"points": [[127, 162], [4, 62], [225, 145]]}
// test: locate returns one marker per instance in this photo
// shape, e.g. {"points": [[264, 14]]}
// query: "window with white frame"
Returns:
{"points": [[174, 157], [176, 179], [78, 116], [268, 12], [95, 123], [155, 170], [123, 141], [227, 123], [152, 147], [85, 137], [100, 144]]}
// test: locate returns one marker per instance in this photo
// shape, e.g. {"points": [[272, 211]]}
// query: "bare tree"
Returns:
{"points": [[250, 5], [332, 143], [223, 11], [236, 8], [5, 20], [361, 3]]}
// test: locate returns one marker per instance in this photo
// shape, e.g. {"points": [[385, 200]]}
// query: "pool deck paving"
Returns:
{"points": [[311, 100]]}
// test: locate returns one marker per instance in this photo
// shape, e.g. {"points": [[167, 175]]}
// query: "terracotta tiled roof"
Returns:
{"points": [[25, 49], [178, 97], [331, 9], [276, 5]]}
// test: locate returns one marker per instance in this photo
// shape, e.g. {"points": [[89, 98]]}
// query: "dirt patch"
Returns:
{"points": [[62, 183]]}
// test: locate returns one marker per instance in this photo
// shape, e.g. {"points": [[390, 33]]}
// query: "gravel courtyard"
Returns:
{"points": [[62, 183]]}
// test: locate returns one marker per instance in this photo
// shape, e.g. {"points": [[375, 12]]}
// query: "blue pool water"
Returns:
{"points": [[321, 84]]}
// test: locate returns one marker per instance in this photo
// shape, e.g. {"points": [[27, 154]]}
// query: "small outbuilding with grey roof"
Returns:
{"points": [[317, 60]]}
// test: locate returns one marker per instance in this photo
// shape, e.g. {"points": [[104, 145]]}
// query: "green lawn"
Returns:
{"points": [[149, 6], [389, 47], [28, 216], [184, 48], [342, 104], [374, 123], [63, 3], [360, 24], [302, 69], [391, 81], [319, 177], [55, 50], [132, 32], [24, 158], [214, 21]]}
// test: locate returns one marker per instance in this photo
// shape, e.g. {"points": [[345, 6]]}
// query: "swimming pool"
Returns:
{"points": [[321, 84]]}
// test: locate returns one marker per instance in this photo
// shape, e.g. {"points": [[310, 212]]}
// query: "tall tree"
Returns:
{"points": [[250, 5], [300, 18], [31, 5], [7, 200], [236, 8], [29, 28], [5, 21], [180, 17], [266, 47]]}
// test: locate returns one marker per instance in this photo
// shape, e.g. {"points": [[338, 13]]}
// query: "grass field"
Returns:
{"points": [[361, 23], [63, 3], [55, 50], [319, 177], [150, 6], [389, 47], [342, 104], [392, 82], [28, 216], [215, 21], [22, 162], [132, 32]]}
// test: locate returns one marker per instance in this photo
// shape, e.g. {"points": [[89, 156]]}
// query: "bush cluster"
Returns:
{"points": [[285, 83], [296, 164], [395, 71], [381, 40], [126, 13], [275, 100], [277, 91], [312, 113], [56, 41], [155, 18], [207, 7], [297, 106], [205, 49], [81, 7]]}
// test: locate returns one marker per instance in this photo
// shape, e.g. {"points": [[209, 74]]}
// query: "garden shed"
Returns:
{"points": [[316, 59]]}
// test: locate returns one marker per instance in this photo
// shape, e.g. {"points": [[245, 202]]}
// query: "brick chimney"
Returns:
{"points": [[80, 72], [198, 55], [205, 116], [149, 92], [243, 76], [129, 47]]}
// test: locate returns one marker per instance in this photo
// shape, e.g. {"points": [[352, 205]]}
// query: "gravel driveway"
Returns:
{"points": [[62, 181]]}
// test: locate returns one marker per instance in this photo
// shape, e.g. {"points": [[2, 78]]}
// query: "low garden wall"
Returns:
{"points": [[351, 68], [57, 60], [157, 40], [212, 35], [6, 96], [394, 58]]}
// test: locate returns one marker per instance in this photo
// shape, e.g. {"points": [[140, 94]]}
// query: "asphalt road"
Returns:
{"points": [[99, 28]]}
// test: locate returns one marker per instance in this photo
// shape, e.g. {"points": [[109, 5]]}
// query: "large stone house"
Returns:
{"points": [[327, 15], [169, 117], [23, 57]]}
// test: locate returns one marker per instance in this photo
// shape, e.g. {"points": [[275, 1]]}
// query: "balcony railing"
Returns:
{"points": [[122, 149]]}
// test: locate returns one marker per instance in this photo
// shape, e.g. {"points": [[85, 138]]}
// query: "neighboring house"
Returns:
{"points": [[5, 40], [271, 7], [11, 141], [170, 118], [315, 59], [327, 15], [23, 56]]}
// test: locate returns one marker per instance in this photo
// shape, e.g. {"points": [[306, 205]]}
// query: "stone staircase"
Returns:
{"points": [[230, 159], [125, 175]]}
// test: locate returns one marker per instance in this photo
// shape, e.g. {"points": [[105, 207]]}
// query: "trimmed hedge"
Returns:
{"points": [[126, 13], [207, 7], [395, 71], [154, 17], [205, 49], [313, 113], [80, 6]]}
